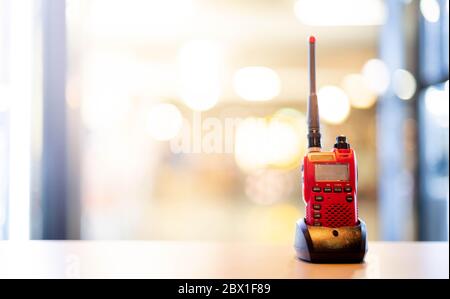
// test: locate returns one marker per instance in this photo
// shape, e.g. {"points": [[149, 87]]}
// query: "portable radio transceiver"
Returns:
{"points": [[331, 230], [329, 178]]}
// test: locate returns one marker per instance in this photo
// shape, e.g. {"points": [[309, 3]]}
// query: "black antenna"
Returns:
{"points": [[313, 108]]}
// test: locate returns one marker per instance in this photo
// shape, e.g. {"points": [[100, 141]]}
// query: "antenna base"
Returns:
{"points": [[314, 139]]}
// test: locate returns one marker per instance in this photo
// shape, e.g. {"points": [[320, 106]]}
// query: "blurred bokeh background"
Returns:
{"points": [[185, 119]]}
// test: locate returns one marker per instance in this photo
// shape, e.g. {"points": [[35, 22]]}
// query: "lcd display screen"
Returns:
{"points": [[331, 172]]}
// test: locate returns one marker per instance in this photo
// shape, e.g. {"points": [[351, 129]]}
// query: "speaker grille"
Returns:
{"points": [[339, 215]]}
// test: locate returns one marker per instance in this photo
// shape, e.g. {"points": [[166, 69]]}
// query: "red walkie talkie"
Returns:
{"points": [[329, 178], [331, 230]]}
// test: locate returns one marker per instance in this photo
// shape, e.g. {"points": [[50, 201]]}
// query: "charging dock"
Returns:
{"points": [[319, 244]]}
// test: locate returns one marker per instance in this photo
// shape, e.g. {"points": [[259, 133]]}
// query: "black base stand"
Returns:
{"points": [[318, 244]]}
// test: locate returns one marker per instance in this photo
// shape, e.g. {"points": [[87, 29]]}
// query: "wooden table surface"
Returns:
{"points": [[167, 259]]}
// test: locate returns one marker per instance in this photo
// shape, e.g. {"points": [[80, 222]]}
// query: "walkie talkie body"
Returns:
{"points": [[330, 185], [329, 178]]}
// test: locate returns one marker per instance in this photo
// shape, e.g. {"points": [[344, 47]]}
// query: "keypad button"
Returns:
{"points": [[316, 189], [318, 198], [327, 189], [317, 215], [349, 198], [317, 224], [347, 189], [337, 189], [317, 207]]}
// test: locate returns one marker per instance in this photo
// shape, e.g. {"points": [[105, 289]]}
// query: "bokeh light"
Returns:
{"points": [[358, 91], [250, 142], [376, 75], [334, 104], [200, 66], [276, 142], [430, 10], [164, 121], [404, 84], [256, 83], [290, 144], [340, 13], [437, 103], [284, 146]]}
